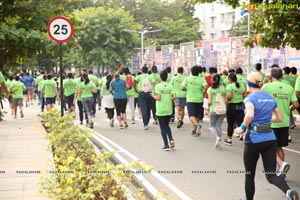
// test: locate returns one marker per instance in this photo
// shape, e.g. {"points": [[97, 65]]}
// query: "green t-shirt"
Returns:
{"points": [[86, 89], [164, 106], [170, 77], [69, 87], [78, 81], [225, 81], [237, 93], [1, 78], [39, 81], [297, 84], [176, 84], [194, 86], [17, 89], [286, 79], [283, 94], [242, 79], [105, 91], [49, 87], [213, 93], [93, 79], [155, 78], [293, 79], [8, 84], [139, 81]]}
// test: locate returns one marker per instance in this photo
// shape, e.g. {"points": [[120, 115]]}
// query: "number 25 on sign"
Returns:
{"points": [[60, 29]]}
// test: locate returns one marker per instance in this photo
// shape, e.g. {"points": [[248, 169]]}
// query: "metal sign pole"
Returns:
{"points": [[61, 81]]}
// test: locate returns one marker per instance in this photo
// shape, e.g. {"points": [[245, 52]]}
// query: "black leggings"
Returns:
{"points": [[120, 105], [267, 150], [234, 114]]}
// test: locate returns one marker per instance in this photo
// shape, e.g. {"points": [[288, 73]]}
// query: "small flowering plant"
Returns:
{"points": [[79, 172]]}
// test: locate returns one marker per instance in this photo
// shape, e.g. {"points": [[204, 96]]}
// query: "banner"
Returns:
{"points": [[149, 55], [210, 53], [187, 56], [167, 56]]}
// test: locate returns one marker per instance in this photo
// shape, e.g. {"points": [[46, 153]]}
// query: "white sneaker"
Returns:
{"points": [[111, 123], [284, 168], [218, 143], [198, 130]]}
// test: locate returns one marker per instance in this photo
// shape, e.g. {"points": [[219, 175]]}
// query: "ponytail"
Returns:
{"points": [[108, 80], [85, 78], [216, 81], [233, 79]]}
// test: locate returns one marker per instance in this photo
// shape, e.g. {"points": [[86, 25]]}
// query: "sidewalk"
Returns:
{"points": [[24, 151]]}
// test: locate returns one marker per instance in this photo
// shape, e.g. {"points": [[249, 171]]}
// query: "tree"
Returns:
{"points": [[278, 22], [101, 36], [240, 28], [175, 32]]}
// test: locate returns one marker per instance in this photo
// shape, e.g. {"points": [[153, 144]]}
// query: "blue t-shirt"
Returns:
{"points": [[119, 88], [29, 81], [264, 104]]}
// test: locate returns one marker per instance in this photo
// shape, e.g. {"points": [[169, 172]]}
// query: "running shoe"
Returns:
{"points": [[193, 133], [284, 168], [172, 144], [198, 130], [227, 142], [121, 126], [132, 121], [292, 195], [290, 138], [22, 115], [112, 122], [146, 127], [218, 143], [179, 124], [125, 124], [91, 124], [166, 148]]}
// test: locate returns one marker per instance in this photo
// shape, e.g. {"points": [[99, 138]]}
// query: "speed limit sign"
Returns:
{"points": [[60, 29]]}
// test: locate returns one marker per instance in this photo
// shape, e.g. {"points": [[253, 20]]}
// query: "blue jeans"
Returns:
{"points": [[215, 123], [145, 105], [165, 129]]}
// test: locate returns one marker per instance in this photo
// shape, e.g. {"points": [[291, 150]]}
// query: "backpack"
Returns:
{"points": [[129, 81], [146, 86], [220, 108]]}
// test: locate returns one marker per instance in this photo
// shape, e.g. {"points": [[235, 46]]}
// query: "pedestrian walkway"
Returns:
{"points": [[24, 152]]}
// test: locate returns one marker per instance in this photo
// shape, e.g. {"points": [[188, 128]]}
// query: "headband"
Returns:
{"points": [[258, 84]]}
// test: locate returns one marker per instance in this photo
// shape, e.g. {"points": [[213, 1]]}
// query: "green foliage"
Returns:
{"points": [[102, 39], [80, 173], [175, 32], [278, 26]]}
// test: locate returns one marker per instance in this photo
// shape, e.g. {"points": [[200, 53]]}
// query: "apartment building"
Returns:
{"points": [[216, 19]]}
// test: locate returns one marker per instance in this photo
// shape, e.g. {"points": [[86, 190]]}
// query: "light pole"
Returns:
{"points": [[142, 33]]}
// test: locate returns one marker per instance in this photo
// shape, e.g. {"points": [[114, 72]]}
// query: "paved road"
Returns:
{"points": [[195, 167]]}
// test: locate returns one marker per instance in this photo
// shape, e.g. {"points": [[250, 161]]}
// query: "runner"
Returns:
{"points": [[195, 86], [260, 138], [284, 95], [215, 118], [163, 95], [17, 89], [180, 100]]}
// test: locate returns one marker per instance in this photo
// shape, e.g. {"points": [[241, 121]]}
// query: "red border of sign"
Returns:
{"points": [[68, 21]]}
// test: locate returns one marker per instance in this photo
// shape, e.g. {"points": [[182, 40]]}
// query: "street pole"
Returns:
{"points": [[142, 48], [142, 40], [61, 82]]}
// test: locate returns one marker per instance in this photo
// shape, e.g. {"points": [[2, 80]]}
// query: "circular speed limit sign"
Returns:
{"points": [[60, 29]]}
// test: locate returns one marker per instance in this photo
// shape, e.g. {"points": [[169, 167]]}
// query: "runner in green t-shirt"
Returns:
{"points": [[215, 119], [17, 88], [87, 88], [195, 86], [297, 91], [69, 88], [180, 100], [235, 109], [49, 89], [163, 95], [286, 102]]}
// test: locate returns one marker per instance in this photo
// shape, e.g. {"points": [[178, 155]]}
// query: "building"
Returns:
{"points": [[216, 19]]}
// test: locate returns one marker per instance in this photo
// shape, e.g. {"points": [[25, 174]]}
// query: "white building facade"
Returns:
{"points": [[216, 19]]}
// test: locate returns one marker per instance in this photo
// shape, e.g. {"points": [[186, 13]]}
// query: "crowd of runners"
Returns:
{"points": [[167, 96]]}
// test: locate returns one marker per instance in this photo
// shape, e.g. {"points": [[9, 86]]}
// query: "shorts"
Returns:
{"points": [[17, 101], [120, 105], [31, 91], [282, 135], [195, 110], [50, 100], [205, 104], [180, 102], [70, 100]]}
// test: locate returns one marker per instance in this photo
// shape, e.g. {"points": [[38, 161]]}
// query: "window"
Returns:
{"points": [[233, 19], [212, 22], [222, 18]]}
